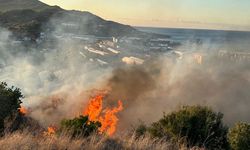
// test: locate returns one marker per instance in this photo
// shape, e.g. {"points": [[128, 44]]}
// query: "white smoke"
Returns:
{"points": [[55, 81], [43, 74]]}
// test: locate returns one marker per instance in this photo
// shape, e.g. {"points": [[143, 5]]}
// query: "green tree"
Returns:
{"points": [[196, 125], [80, 126], [10, 100], [239, 136]]}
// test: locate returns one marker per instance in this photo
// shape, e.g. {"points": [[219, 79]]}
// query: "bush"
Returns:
{"points": [[80, 126], [140, 130], [239, 136], [10, 100], [197, 125]]}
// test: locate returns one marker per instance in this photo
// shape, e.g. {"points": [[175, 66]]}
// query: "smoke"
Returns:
{"points": [[57, 82], [221, 84], [53, 80], [129, 83], [218, 82]]}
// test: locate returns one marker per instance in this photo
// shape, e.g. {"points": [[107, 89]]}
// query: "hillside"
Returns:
{"points": [[26, 22], [28, 18], [8, 5]]}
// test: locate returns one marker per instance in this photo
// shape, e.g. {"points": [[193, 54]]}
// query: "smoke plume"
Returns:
{"points": [[58, 82]]}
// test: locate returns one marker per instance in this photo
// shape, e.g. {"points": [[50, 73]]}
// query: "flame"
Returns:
{"points": [[94, 108], [107, 118], [109, 121], [198, 58], [51, 130], [23, 110]]}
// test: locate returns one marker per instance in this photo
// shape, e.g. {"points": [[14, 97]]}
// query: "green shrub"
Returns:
{"points": [[196, 125], [80, 126], [10, 100], [239, 136], [140, 130]]}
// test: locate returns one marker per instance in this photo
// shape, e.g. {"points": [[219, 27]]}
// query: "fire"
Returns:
{"points": [[94, 108], [23, 110], [51, 130], [107, 118], [109, 121], [198, 58]]}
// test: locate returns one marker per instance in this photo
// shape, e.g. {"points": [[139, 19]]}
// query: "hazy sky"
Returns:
{"points": [[216, 14]]}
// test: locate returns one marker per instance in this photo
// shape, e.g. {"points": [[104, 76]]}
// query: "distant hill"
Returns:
{"points": [[26, 22], [8, 5], [28, 18]]}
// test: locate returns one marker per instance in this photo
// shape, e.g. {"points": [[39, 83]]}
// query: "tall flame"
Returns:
{"points": [[109, 121], [23, 110], [94, 108], [107, 118]]}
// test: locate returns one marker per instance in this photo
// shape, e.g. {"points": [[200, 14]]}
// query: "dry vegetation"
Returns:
{"points": [[27, 141]]}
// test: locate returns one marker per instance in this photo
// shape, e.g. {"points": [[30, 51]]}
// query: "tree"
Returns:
{"points": [[80, 126], [197, 125], [10, 100], [239, 136]]}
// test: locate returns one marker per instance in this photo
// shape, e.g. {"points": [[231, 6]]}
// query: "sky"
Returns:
{"points": [[204, 14]]}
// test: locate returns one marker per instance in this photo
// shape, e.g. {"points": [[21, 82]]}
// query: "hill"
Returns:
{"points": [[28, 18], [8, 5], [26, 22]]}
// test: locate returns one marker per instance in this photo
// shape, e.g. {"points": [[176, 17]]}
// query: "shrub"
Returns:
{"points": [[239, 136], [197, 125], [140, 130], [80, 126], [10, 100]]}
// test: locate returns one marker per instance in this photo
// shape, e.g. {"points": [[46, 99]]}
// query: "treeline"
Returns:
{"points": [[191, 125]]}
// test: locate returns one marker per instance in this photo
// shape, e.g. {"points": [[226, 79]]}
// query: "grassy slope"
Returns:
{"points": [[95, 142]]}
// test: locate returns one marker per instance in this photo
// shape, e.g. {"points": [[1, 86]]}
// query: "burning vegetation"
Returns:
{"points": [[23, 110], [95, 117], [51, 130], [107, 117], [100, 114], [153, 87]]}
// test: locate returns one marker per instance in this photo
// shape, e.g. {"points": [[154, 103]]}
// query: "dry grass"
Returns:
{"points": [[27, 141]]}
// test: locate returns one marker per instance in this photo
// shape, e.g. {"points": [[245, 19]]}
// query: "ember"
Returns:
{"points": [[23, 110], [51, 130]]}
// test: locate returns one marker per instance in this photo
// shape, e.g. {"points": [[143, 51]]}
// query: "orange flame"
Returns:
{"points": [[109, 121], [51, 130], [107, 118], [94, 108], [23, 110]]}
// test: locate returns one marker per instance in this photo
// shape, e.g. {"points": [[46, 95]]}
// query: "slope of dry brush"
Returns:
{"points": [[27, 141]]}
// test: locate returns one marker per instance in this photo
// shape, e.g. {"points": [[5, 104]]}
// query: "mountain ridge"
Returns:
{"points": [[28, 18]]}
